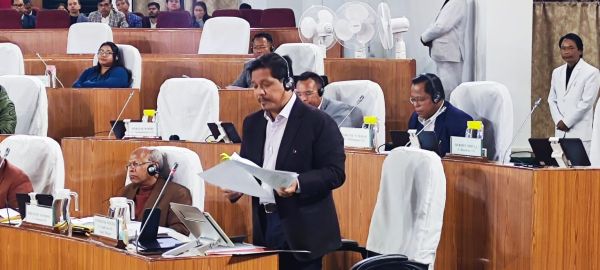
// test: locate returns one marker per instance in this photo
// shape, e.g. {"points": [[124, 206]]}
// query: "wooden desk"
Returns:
{"points": [[87, 112], [29, 249], [155, 41]]}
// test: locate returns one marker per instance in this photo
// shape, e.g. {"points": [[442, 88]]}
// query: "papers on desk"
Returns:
{"points": [[238, 174], [241, 249], [8, 214]]}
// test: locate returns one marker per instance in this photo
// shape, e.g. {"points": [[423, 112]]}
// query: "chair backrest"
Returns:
{"points": [[225, 35], [132, 59], [491, 103], [86, 37], [174, 19], [12, 60], [595, 149], [10, 19], [278, 17], [187, 172], [52, 18], [252, 16], [227, 13], [40, 158], [409, 211], [305, 57], [28, 93], [383, 262], [185, 106], [349, 92]]}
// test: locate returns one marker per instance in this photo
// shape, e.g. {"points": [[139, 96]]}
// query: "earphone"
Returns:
{"points": [[152, 169], [321, 89], [437, 96], [288, 82]]}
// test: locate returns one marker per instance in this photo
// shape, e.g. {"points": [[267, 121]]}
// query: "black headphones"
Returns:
{"points": [[321, 89], [288, 82], [153, 169], [437, 95]]}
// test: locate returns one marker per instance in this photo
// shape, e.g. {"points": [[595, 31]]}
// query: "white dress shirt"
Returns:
{"points": [[105, 20], [274, 134], [424, 122]]}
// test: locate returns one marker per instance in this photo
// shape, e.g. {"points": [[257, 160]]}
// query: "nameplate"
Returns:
{"points": [[465, 146], [141, 129], [356, 137], [39, 215], [106, 227]]}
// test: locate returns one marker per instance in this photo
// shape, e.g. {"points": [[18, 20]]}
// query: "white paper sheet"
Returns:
{"points": [[8, 212], [230, 175], [275, 179]]}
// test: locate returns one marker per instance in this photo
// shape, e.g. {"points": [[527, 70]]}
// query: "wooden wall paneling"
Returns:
{"points": [[43, 41], [235, 105], [160, 41]]}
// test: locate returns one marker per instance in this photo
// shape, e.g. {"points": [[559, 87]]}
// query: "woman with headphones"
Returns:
{"points": [[108, 73]]}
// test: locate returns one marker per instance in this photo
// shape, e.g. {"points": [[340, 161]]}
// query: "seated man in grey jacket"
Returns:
{"points": [[310, 88]]}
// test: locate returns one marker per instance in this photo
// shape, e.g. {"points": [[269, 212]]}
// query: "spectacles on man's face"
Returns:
{"points": [[135, 164], [415, 100], [104, 53], [306, 94], [18, 5]]}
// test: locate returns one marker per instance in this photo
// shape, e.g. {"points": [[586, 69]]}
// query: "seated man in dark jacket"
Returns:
{"points": [[434, 113], [27, 17]]}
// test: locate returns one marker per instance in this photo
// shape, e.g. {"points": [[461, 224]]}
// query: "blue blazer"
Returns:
{"points": [[116, 77], [453, 122], [28, 21], [313, 147]]}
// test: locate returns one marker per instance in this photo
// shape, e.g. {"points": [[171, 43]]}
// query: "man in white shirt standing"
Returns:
{"points": [[445, 39], [573, 91]]}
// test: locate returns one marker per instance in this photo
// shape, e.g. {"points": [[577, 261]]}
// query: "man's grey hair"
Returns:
{"points": [[156, 156]]}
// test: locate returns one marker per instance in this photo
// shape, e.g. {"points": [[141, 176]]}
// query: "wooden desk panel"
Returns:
{"points": [[156, 41], [235, 105], [87, 112], [29, 249]]}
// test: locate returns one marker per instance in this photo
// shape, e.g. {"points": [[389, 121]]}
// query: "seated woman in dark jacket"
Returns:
{"points": [[108, 73]]}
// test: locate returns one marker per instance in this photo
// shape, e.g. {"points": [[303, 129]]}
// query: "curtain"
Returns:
{"points": [[551, 20]]}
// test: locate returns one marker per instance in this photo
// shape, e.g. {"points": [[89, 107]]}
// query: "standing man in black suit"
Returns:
{"points": [[291, 136]]}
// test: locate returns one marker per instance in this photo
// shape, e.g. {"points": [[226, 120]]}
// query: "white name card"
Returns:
{"points": [[141, 129], [106, 227], [40, 215], [465, 146], [356, 137]]}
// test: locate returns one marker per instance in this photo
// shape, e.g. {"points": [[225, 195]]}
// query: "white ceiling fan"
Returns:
{"points": [[354, 26], [316, 26]]}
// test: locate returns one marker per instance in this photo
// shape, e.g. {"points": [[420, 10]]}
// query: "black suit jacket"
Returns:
{"points": [[313, 147], [145, 22]]}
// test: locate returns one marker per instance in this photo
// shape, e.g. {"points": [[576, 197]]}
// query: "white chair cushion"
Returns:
{"points": [[12, 60], [305, 57], [409, 211], [373, 103], [132, 59], [87, 37], [490, 102], [28, 93], [40, 158], [185, 106], [225, 35]]}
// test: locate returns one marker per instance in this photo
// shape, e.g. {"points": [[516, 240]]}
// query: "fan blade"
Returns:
{"points": [[366, 34], [325, 16], [343, 30], [308, 27], [355, 11]]}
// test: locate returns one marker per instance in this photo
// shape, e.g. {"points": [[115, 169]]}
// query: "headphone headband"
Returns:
{"points": [[288, 82]]}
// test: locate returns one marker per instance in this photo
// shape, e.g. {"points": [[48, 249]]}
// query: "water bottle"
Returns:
{"points": [[474, 130], [370, 122]]}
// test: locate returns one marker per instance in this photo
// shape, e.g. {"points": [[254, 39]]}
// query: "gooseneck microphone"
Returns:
{"points": [[171, 173], [535, 105], [442, 110], [112, 129], [360, 99], [46, 65]]}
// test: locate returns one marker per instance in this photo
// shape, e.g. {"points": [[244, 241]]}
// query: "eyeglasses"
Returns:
{"points": [[101, 53], [259, 47], [136, 164], [415, 100], [306, 94], [18, 5]]}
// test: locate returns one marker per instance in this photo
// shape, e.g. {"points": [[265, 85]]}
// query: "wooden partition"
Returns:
{"points": [[27, 249], [155, 41], [88, 112], [496, 217]]}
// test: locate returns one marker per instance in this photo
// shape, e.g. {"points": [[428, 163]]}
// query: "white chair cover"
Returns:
{"points": [[184, 107], [225, 35], [40, 158], [373, 103], [187, 173], [595, 149], [28, 93], [490, 102], [409, 212], [305, 57], [132, 59], [87, 37], [12, 60]]}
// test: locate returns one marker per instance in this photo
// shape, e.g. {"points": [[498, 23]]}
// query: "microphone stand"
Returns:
{"points": [[112, 129], [535, 105]]}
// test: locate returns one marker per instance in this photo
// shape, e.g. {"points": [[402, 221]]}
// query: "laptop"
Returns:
{"points": [[542, 152], [148, 240], [119, 130], [574, 151], [427, 139]]}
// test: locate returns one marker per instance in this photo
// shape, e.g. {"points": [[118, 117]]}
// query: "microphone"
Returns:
{"points": [[442, 110], [535, 105], [360, 99], [6, 152], [112, 129], [171, 173], [46, 65]]}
